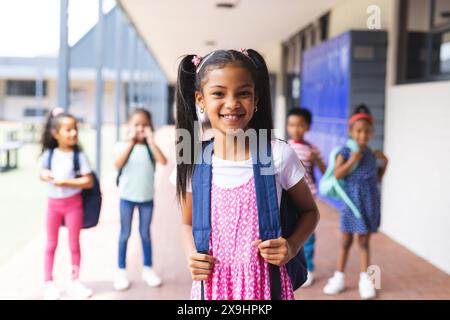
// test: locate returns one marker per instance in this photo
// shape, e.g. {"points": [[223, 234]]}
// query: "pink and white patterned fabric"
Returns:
{"points": [[240, 272], [304, 149]]}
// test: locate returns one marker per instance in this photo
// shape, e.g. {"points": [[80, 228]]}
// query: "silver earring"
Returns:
{"points": [[256, 108]]}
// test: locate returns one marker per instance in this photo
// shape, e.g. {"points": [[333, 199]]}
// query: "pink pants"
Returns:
{"points": [[71, 211]]}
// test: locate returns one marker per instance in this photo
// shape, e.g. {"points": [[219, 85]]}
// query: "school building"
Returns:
{"points": [[393, 55], [29, 86], [326, 55]]}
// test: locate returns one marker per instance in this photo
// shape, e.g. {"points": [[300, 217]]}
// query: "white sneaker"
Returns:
{"points": [[335, 284], [150, 277], [121, 281], [309, 280], [78, 290], [51, 291], [366, 287]]}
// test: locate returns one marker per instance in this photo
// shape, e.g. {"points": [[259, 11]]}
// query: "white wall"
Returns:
{"points": [[14, 106], [416, 188], [2, 98], [419, 13], [82, 105], [415, 196], [273, 58], [352, 14]]}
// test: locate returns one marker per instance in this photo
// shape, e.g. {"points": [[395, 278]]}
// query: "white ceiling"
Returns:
{"points": [[172, 28]]}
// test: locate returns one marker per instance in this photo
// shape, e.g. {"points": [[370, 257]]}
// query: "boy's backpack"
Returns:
{"points": [[150, 154], [92, 198], [333, 188], [273, 222]]}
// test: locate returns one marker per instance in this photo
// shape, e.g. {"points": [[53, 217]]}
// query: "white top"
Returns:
{"points": [[229, 174], [62, 168], [136, 182]]}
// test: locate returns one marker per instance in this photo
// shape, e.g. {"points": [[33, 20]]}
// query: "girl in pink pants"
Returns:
{"points": [[65, 203], [69, 210]]}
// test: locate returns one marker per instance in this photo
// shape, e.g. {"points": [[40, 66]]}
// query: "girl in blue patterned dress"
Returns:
{"points": [[361, 175]]}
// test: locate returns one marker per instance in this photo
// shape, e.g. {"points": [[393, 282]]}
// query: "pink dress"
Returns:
{"points": [[240, 273]]}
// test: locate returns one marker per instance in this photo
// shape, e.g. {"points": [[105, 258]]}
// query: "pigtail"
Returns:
{"points": [[186, 116], [47, 139], [262, 119]]}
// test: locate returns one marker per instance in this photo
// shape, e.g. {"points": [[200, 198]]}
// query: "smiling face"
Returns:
{"points": [[361, 131], [228, 97], [67, 133]]}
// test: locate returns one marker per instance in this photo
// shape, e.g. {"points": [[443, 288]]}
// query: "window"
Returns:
{"points": [[293, 49], [78, 95], [24, 88], [293, 52], [324, 26], [424, 41], [441, 45]]}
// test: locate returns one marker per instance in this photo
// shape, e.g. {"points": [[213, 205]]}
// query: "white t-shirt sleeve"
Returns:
{"points": [[43, 160], [173, 176], [288, 166], [85, 168], [173, 180]]}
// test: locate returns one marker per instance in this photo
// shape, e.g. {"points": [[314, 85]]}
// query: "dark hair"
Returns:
{"points": [[301, 112], [53, 123], [190, 79], [362, 108], [145, 112]]}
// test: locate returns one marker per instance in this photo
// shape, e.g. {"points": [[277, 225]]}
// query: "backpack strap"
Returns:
{"points": [[266, 194], [76, 162], [119, 172], [266, 198], [201, 202], [201, 198], [49, 159], [150, 154], [268, 211], [331, 187]]}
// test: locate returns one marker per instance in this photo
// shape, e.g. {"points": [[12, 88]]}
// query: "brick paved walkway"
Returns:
{"points": [[403, 274]]}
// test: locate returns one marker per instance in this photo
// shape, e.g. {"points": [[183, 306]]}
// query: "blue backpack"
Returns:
{"points": [[273, 222], [92, 198]]}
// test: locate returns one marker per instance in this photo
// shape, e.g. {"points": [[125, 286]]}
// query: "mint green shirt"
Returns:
{"points": [[137, 180]]}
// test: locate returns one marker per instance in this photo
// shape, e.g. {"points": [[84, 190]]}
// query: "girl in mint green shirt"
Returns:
{"points": [[135, 161]]}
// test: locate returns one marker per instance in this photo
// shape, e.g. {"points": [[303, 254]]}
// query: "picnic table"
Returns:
{"points": [[11, 151]]}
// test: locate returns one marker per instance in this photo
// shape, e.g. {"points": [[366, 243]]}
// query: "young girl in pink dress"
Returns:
{"points": [[231, 89]]}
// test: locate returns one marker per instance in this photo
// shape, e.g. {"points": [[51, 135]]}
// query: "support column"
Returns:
{"points": [[63, 58]]}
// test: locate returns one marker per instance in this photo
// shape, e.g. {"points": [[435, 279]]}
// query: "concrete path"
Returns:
{"points": [[403, 274]]}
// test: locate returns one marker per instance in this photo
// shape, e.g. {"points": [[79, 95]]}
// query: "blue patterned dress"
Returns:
{"points": [[361, 185]]}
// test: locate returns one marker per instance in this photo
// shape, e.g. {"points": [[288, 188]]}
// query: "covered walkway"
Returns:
{"points": [[403, 274]]}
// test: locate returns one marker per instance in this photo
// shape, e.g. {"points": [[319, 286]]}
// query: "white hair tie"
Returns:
{"points": [[204, 60]]}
